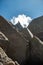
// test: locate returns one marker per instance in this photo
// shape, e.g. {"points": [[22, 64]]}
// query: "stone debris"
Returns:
{"points": [[5, 60]]}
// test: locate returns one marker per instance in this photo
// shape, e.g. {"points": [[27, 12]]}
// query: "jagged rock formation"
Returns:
{"points": [[18, 45]]}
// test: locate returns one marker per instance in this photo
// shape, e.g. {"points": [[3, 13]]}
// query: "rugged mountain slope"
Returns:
{"points": [[36, 27], [18, 45], [18, 48]]}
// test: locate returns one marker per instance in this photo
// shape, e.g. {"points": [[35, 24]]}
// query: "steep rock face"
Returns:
{"points": [[25, 34], [18, 45], [5, 45], [36, 26], [37, 50]]}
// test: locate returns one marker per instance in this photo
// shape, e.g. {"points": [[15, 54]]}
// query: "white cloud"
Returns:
{"points": [[23, 19]]}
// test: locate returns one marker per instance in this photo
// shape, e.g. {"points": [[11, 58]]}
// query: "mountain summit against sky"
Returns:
{"points": [[22, 19]]}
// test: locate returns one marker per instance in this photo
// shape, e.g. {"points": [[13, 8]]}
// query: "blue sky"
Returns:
{"points": [[10, 8]]}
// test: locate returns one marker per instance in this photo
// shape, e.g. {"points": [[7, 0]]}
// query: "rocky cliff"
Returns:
{"points": [[18, 45]]}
